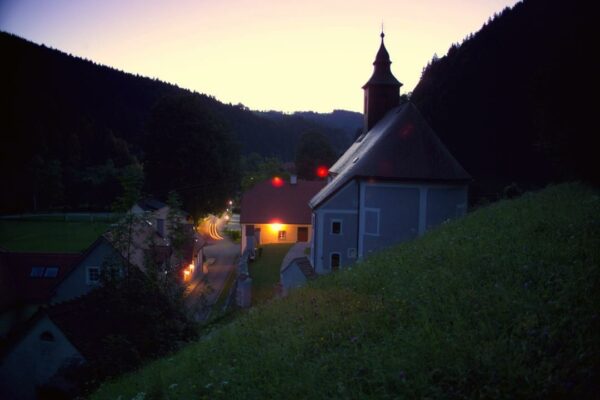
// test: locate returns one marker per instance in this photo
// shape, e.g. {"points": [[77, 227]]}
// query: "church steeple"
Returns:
{"points": [[382, 91]]}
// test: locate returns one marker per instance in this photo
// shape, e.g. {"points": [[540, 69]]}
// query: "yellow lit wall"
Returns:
{"points": [[269, 233]]}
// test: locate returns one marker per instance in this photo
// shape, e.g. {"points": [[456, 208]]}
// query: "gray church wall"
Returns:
{"points": [[389, 215], [444, 203], [345, 199]]}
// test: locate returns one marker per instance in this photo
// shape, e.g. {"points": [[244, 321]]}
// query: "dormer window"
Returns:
{"points": [[44, 272], [51, 272]]}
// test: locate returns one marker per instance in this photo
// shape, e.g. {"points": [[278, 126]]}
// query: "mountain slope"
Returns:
{"points": [[62, 116], [500, 304], [511, 103]]}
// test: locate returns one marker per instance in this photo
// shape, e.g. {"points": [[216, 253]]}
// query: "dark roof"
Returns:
{"points": [[150, 204], [265, 203], [382, 73], [36, 289], [304, 265], [402, 146], [83, 327]]}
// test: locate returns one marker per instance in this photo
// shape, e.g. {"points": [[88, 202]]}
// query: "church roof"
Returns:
{"points": [[382, 74], [402, 146]]}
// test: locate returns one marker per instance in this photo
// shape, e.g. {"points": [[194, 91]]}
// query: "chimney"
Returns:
{"points": [[293, 179]]}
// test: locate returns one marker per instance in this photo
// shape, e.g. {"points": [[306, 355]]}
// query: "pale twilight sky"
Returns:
{"points": [[269, 54]]}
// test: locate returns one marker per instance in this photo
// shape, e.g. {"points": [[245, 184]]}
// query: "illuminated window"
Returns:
{"points": [[281, 235], [93, 275], [336, 227]]}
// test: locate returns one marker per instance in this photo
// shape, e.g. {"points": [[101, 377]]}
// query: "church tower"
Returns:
{"points": [[382, 91]]}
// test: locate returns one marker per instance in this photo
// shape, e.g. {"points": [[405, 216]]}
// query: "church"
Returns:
{"points": [[396, 181]]}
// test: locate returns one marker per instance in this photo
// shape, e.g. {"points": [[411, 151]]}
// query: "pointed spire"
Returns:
{"points": [[382, 74], [382, 91]]}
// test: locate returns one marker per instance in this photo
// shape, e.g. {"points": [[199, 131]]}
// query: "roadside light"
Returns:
{"points": [[227, 218], [186, 274], [322, 171], [191, 267], [230, 202], [277, 182], [276, 227]]}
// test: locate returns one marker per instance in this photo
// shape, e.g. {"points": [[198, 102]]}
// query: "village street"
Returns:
{"points": [[221, 255]]}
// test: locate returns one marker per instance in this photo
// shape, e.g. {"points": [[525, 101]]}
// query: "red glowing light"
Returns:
{"points": [[277, 182], [322, 171]]}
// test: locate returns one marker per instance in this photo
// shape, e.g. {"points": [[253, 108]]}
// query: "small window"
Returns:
{"points": [[37, 272], [51, 272], [281, 235], [47, 336], [352, 253], [93, 275], [372, 222], [335, 261], [336, 227]]}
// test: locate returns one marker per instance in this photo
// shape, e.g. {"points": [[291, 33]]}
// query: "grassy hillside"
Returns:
{"points": [[49, 235], [501, 304]]}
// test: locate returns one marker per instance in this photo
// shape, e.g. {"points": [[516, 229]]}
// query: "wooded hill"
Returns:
{"points": [[65, 121], [511, 102]]}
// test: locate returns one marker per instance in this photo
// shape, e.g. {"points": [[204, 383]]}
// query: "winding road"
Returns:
{"points": [[221, 255]]}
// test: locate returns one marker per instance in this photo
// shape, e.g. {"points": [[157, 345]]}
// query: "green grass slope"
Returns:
{"points": [[501, 304], [48, 236]]}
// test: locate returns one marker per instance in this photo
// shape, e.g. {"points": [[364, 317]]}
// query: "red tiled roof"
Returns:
{"points": [[265, 203], [37, 289]]}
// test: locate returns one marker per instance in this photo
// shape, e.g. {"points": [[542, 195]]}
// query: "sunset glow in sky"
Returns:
{"points": [[275, 54]]}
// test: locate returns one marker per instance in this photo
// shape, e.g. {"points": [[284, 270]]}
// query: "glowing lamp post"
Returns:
{"points": [[277, 182], [322, 171]]}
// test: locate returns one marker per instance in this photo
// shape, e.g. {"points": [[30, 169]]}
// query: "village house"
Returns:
{"points": [[149, 242], [42, 296], [276, 211], [396, 181]]}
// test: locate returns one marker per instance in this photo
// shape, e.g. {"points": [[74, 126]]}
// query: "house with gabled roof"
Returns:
{"points": [[277, 211], [396, 181]]}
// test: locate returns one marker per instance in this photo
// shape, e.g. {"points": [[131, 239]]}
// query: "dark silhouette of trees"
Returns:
{"points": [[80, 117], [509, 102], [190, 151], [313, 151]]}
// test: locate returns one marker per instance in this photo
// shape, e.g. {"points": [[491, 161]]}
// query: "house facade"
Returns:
{"points": [[276, 211], [35, 358], [396, 181], [86, 273]]}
